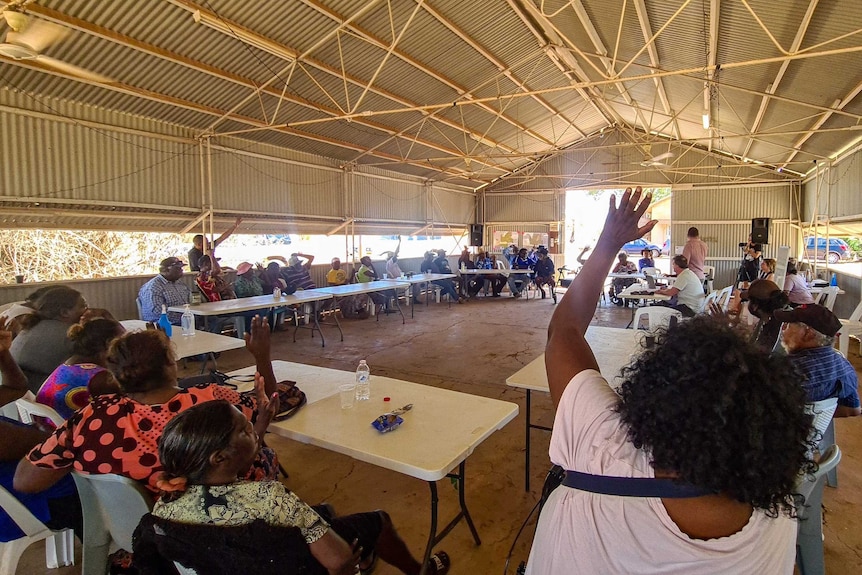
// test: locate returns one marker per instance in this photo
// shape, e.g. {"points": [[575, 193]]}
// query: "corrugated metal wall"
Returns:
{"points": [[840, 191], [723, 217], [545, 207], [91, 168]]}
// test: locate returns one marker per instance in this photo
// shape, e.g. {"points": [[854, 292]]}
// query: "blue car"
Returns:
{"points": [[634, 248]]}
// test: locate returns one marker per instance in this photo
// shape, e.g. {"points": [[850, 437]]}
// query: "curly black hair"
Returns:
{"points": [[712, 408]]}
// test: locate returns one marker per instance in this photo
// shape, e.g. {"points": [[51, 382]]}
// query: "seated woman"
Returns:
{"points": [[646, 261], [767, 269], [130, 423], [702, 447], [58, 507], [795, 287], [42, 344], [85, 374], [207, 448]]}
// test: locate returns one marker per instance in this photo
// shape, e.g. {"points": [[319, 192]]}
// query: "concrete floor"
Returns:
{"points": [[473, 348]]}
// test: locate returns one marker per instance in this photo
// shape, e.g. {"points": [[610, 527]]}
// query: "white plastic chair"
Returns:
{"points": [[27, 408], [851, 327], [113, 506], [828, 440], [657, 316], [709, 299], [59, 545], [828, 296], [809, 530], [724, 297]]}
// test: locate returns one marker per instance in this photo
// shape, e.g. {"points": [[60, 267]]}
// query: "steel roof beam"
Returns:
{"points": [[771, 88], [646, 31]]}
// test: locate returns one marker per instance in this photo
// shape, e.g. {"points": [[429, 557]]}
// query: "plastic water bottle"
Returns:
{"points": [[363, 382], [834, 280], [164, 323], [276, 293], [188, 321]]}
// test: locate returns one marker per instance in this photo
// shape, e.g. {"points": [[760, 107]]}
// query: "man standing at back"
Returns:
{"points": [[201, 246], [695, 253]]}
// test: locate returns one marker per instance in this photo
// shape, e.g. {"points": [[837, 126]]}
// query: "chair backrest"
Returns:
{"points": [[811, 486], [27, 408], [140, 305], [828, 296], [724, 297], [657, 316], [822, 411], [809, 527], [113, 506], [710, 298], [21, 516], [648, 271], [857, 313]]}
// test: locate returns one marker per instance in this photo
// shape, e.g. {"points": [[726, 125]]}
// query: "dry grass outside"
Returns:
{"points": [[57, 255]]}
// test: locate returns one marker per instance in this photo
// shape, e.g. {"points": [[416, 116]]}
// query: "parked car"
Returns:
{"points": [[838, 250], [634, 248]]}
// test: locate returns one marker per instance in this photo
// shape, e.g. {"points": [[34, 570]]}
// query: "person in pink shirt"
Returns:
{"points": [[692, 467], [695, 252]]}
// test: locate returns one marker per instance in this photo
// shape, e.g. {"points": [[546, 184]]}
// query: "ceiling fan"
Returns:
{"points": [[656, 161], [28, 37]]}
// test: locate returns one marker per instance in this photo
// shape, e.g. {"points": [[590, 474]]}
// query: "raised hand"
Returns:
{"points": [[622, 222], [5, 336], [267, 405], [257, 339]]}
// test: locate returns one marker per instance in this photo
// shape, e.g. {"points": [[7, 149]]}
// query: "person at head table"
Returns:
{"points": [[689, 427]]}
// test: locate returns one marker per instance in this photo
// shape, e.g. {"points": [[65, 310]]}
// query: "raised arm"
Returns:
{"points": [[580, 257], [258, 343], [567, 352], [227, 233]]}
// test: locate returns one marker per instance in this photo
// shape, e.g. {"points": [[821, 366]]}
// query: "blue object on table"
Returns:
{"points": [[164, 323], [834, 280]]}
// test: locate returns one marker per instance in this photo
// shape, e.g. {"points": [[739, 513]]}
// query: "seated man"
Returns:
{"points": [[686, 292], [367, 273], [430, 265], [519, 262], [624, 266], [166, 289], [808, 333], [545, 273], [336, 276], [298, 272]]}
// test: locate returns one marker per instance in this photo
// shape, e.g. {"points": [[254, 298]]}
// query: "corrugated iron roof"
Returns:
{"points": [[520, 57]]}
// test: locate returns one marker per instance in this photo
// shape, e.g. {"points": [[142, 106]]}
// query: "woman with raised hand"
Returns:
{"points": [[692, 468], [129, 423], [205, 451]]}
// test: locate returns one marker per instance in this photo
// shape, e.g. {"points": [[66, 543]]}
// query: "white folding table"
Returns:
{"points": [[613, 348], [367, 287], [263, 302], [644, 294], [437, 436], [418, 279], [201, 343]]}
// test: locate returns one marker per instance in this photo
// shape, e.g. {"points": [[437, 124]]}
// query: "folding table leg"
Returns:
{"points": [[434, 538]]}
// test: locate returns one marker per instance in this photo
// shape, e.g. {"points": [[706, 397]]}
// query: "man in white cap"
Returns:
{"points": [[298, 272]]}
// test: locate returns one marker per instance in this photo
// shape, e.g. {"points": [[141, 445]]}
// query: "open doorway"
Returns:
{"points": [[585, 217]]}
